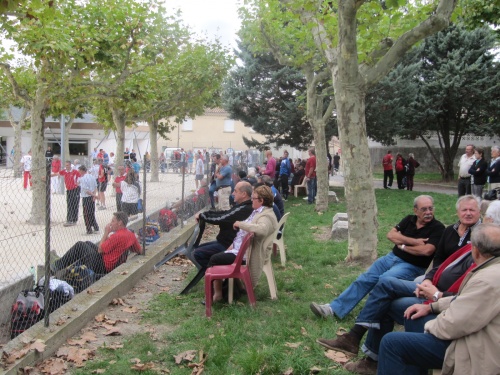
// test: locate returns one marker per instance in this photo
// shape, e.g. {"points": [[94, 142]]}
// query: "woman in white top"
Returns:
{"points": [[131, 190]]}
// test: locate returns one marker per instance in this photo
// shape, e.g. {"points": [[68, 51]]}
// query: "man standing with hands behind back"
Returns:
{"points": [[388, 173], [466, 161]]}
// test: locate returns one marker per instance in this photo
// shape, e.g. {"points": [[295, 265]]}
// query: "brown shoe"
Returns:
{"points": [[347, 344], [365, 366]]}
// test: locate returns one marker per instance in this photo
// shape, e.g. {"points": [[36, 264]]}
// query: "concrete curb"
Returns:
{"points": [[84, 307]]}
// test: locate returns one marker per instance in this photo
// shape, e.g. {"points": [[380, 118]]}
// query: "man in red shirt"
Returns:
{"points": [[55, 181], [118, 180], [71, 177], [102, 183], [388, 173], [312, 184], [116, 241]]}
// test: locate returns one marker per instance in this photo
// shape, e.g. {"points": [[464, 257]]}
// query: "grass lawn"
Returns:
{"points": [[421, 177], [277, 335]]}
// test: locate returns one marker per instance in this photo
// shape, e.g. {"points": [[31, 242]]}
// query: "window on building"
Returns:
{"points": [[187, 125], [228, 126]]}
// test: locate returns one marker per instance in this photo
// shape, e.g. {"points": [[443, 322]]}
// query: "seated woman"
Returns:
{"points": [[262, 222]]}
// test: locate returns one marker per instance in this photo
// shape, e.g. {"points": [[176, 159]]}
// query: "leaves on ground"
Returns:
{"points": [[54, 366], [118, 301], [187, 356], [130, 309], [293, 345], [14, 355], [338, 357]]}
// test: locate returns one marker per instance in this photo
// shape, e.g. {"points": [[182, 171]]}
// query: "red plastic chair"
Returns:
{"points": [[232, 271]]}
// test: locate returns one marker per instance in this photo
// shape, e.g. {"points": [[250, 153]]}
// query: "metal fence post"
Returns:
{"points": [[46, 287], [144, 208]]}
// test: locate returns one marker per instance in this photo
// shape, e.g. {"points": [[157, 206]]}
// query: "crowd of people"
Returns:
{"points": [[450, 314], [405, 170]]}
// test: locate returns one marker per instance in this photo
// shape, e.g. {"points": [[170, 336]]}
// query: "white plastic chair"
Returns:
{"points": [[279, 243]]}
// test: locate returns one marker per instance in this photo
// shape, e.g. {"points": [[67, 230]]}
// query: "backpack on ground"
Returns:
{"points": [[27, 310], [79, 276], [167, 219]]}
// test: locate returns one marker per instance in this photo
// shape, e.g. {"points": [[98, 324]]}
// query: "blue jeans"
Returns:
{"points": [[204, 252], [379, 301], [211, 191], [410, 353], [312, 186], [386, 266], [395, 314]]}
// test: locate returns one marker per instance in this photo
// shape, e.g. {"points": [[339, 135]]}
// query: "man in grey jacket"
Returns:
{"points": [[463, 339]]}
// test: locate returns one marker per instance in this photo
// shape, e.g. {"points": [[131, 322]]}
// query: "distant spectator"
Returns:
{"points": [[131, 190], [26, 162], [88, 193], [55, 181], [466, 161], [388, 172], [411, 164]]}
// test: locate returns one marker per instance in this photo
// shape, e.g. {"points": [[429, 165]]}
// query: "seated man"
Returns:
{"points": [[415, 239], [225, 220], [385, 305], [102, 258], [463, 339]]}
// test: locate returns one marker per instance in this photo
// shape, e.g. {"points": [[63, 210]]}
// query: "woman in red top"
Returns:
{"points": [[400, 170]]}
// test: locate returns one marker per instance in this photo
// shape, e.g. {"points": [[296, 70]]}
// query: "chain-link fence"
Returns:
{"points": [[44, 215]]}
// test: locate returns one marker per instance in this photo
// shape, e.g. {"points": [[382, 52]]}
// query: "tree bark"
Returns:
{"points": [[38, 206], [18, 133], [67, 128], [119, 119], [153, 141]]}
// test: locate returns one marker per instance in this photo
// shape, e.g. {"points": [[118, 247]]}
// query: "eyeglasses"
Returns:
{"points": [[425, 209]]}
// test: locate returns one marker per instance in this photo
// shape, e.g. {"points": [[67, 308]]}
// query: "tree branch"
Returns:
{"points": [[439, 20], [18, 92]]}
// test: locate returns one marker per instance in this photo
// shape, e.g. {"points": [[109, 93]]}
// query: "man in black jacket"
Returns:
{"points": [[225, 220]]}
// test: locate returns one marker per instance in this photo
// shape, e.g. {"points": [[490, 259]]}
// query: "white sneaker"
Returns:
{"points": [[321, 311]]}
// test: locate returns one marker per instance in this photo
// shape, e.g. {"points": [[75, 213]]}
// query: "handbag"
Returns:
{"points": [[491, 195]]}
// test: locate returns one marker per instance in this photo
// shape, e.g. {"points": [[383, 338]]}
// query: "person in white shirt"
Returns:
{"points": [[466, 161], [199, 170], [88, 192], [26, 162]]}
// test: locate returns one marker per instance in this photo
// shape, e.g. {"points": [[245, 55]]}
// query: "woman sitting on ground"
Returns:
{"points": [[262, 222]]}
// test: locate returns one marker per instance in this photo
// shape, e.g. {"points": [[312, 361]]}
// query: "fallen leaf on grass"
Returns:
{"points": [[118, 301], [313, 228], [86, 337], [79, 355], [113, 332], [54, 366], [293, 345], [289, 371], [13, 356], [99, 371], [304, 331], [130, 309], [341, 331], [166, 289], [100, 317], [143, 366], [188, 356], [315, 370], [113, 346], [296, 266], [320, 213], [328, 286], [135, 360], [338, 357]]}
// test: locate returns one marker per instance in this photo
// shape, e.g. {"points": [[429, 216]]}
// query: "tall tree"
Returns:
{"points": [[269, 98], [448, 86], [362, 41], [269, 27]]}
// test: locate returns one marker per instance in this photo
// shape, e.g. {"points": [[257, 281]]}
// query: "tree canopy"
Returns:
{"points": [[269, 98], [448, 86]]}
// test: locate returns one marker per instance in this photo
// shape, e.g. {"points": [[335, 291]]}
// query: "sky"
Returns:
{"points": [[213, 18]]}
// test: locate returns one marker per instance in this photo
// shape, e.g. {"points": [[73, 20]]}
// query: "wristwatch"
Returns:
{"points": [[435, 296]]}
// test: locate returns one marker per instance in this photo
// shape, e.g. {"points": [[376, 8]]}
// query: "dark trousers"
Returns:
{"points": [[409, 181], [204, 252], [84, 252], [221, 259], [388, 175], [284, 185], [119, 201], [72, 202], [312, 186], [211, 192], [88, 205], [400, 176], [463, 186]]}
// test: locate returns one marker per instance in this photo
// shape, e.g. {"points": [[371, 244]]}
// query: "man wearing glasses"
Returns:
{"points": [[391, 296], [415, 240]]}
